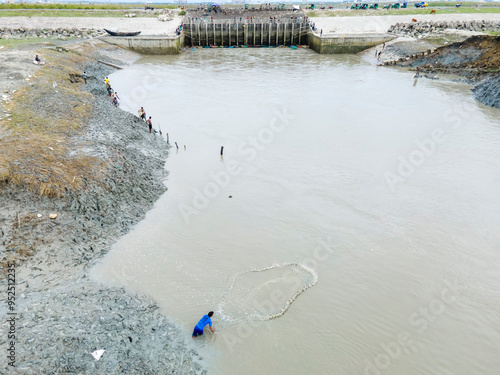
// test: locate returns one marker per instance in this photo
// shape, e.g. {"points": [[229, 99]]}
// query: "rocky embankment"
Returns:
{"points": [[420, 29], [57, 33], [62, 315]]}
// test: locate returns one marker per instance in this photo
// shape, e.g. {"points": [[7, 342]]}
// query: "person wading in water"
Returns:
{"points": [[198, 329]]}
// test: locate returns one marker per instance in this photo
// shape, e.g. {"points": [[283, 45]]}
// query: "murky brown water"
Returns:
{"points": [[383, 189]]}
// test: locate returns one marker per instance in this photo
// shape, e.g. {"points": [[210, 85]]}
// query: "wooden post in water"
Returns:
{"points": [[269, 29], [215, 41], [168, 142], [291, 39], [237, 36], [221, 150], [199, 34], [284, 35], [261, 32], [206, 34], [176, 145], [229, 26], [277, 32]]}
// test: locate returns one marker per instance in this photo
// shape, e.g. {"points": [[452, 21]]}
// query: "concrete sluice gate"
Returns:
{"points": [[245, 34]]}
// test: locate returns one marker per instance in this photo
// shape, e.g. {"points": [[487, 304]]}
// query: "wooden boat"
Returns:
{"points": [[117, 33]]}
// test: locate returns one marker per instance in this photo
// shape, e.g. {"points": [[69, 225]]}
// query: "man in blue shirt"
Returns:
{"points": [[198, 329]]}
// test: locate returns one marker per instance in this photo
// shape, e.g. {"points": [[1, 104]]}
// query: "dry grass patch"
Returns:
{"points": [[38, 150]]}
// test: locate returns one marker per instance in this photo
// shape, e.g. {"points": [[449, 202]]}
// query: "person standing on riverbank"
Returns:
{"points": [[142, 114], [84, 76], [150, 124], [198, 329]]}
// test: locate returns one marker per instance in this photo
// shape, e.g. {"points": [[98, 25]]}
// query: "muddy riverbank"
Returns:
{"points": [[62, 316], [475, 60]]}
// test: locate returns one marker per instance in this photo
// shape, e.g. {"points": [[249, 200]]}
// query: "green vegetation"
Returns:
{"points": [[69, 13], [464, 4], [392, 12], [82, 6], [182, 13], [9, 43]]}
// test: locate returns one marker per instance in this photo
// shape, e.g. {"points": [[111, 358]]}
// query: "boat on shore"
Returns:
{"points": [[117, 33]]}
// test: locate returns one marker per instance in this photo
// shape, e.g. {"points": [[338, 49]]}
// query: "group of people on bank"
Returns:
{"points": [[115, 101], [142, 116], [113, 94]]}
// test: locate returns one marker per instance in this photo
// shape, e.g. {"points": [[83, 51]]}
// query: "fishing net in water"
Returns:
{"points": [[265, 293]]}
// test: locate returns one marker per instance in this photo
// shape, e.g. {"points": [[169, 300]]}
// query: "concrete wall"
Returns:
{"points": [[263, 35], [347, 43], [148, 45]]}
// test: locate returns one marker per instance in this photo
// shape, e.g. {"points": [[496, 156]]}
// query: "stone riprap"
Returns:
{"points": [[416, 29], [19, 33]]}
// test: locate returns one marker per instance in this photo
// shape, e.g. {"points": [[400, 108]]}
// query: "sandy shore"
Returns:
{"points": [[147, 26], [376, 24]]}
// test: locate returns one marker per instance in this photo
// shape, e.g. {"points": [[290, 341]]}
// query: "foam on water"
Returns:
{"points": [[229, 296]]}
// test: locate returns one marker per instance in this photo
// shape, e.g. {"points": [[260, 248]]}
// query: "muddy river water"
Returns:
{"points": [[367, 198]]}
